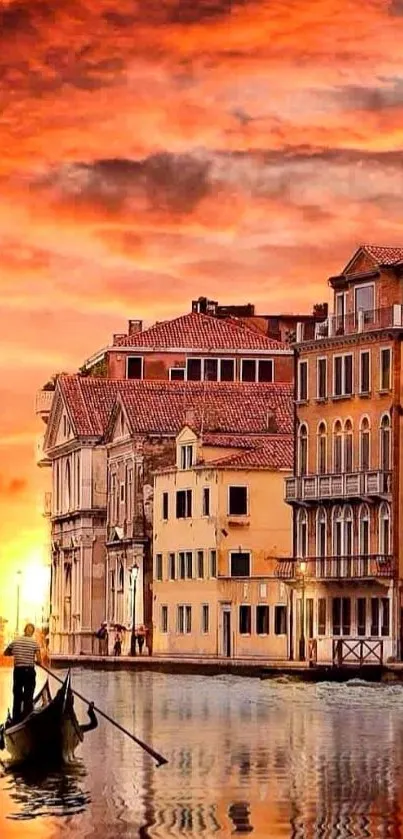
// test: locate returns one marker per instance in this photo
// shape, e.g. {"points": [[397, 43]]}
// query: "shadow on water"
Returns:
{"points": [[48, 791]]}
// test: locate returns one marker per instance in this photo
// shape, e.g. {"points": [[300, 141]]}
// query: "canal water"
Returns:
{"points": [[271, 759]]}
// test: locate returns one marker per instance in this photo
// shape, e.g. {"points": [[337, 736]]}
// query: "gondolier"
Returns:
{"points": [[26, 652]]}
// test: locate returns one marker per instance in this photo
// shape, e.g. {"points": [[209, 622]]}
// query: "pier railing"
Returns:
{"points": [[359, 651]]}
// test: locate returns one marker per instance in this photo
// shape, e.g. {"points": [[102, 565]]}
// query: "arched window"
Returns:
{"points": [[364, 530], [321, 541], [121, 577], [322, 448], [68, 485], [348, 446], [365, 445], [385, 443], [337, 448], [302, 533], [348, 531], [384, 530], [337, 531], [303, 450]]}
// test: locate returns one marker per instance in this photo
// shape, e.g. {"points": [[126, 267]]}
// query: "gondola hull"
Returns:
{"points": [[50, 734]]}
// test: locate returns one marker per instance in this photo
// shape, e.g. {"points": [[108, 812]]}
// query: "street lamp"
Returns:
{"points": [[17, 620], [134, 574], [302, 569]]}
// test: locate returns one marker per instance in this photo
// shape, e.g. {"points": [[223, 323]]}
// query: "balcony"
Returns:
{"points": [[43, 403], [342, 568], [41, 458], [329, 487], [351, 324], [47, 505]]}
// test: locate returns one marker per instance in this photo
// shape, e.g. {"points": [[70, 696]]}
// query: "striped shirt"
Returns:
{"points": [[24, 650]]}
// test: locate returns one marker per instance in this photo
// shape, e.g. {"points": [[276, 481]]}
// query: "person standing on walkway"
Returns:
{"points": [[141, 637], [103, 637], [26, 652]]}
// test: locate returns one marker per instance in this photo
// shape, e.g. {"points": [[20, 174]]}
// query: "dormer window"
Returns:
{"points": [[364, 298], [135, 367], [186, 457]]}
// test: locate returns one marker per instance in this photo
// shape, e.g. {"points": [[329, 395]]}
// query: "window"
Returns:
{"points": [[384, 530], [348, 533], [322, 616], [365, 372], [194, 369], [210, 369], [322, 449], [227, 370], [164, 619], [365, 445], [265, 371], [184, 504], [348, 446], [171, 566], [302, 391], [361, 616], [129, 479], [238, 501], [122, 493], [200, 565], [340, 306], [188, 619], [321, 383], [262, 620], [205, 619], [134, 367], [186, 457], [189, 565], [248, 370], [321, 535], [165, 506], [374, 616], [158, 567], [364, 298], [280, 620], [385, 616], [182, 565], [177, 374], [341, 616], [303, 449], [180, 619], [385, 368], [245, 620], [302, 533], [337, 448], [343, 375], [240, 564], [363, 533], [213, 563], [385, 443], [206, 501]]}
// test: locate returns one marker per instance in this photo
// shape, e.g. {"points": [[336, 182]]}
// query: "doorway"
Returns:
{"points": [[226, 632]]}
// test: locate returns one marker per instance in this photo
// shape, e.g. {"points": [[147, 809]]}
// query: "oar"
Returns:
{"points": [[160, 760]]}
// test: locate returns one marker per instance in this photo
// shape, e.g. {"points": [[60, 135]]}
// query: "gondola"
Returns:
{"points": [[51, 733]]}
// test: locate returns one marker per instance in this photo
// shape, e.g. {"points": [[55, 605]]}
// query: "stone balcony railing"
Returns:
{"points": [[351, 323], [357, 567], [43, 403], [311, 488]]}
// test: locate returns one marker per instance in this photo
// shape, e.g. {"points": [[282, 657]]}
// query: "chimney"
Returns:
{"points": [[204, 306], [135, 326], [271, 422]]}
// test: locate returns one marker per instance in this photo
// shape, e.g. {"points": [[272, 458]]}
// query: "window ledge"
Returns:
{"points": [[365, 394], [384, 390], [321, 399], [238, 521], [301, 401], [341, 396]]}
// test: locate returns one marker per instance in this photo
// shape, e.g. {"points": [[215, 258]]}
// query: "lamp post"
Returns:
{"points": [[302, 569], [134, 574], [17, 619]]}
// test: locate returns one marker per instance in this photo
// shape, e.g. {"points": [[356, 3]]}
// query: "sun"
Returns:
{"points": [[34, 588]]}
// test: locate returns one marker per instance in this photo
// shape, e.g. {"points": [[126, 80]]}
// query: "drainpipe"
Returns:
{"points": [[396, 414]]}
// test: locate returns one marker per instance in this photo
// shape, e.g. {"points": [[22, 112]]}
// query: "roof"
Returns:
{"points": [[275, 453], [231, 441], [205, 333], [163, 407], [384, 255]]}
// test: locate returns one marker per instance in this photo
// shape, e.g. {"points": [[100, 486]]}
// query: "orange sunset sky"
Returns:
{"points": [[157, 150]]}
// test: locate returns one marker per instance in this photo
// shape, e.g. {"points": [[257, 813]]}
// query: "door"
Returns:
{"points": [[226, 629]]}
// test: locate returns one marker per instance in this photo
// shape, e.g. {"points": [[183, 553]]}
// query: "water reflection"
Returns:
{"points": [[50, 792], [272, 759]]}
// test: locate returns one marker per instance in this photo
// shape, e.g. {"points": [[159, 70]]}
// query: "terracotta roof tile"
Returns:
{"points": [[384, 255], [275, 453], [163, 407], [196, 331]]}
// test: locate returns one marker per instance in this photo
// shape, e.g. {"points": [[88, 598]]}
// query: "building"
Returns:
{"points": [[346, 571], [220, 524], [104, 439]]}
